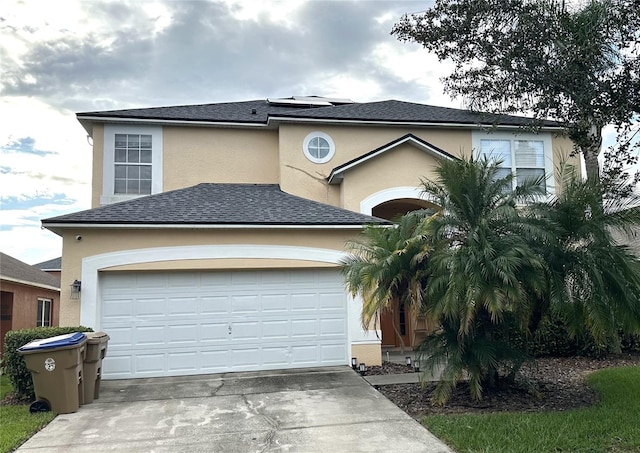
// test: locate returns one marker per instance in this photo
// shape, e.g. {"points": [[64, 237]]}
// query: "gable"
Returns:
{"points": [[337, 174]]}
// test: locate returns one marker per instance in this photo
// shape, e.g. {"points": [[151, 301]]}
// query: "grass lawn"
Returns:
{"points": [[610, 426], [16, 423]]}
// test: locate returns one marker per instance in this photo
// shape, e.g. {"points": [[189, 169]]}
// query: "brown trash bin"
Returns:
{"points": [[56, 368], [96, 351]]}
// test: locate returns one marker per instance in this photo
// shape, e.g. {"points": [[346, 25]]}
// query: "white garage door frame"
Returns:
{"points": [[90, 307]]}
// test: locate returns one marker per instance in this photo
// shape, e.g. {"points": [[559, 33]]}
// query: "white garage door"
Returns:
{"points": [[179, 323]]}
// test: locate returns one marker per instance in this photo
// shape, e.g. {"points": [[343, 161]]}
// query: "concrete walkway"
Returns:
{"points": [[316, 410]]}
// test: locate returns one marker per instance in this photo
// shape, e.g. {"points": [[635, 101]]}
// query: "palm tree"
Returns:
{"points": [[388, 264], [484, 274], [594, 283]]}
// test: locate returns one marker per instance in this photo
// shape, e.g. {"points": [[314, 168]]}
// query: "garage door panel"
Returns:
{"points": [[304, 302], [150, 335], [183, 280], [215, 361], [214, 332], [149, 307], [332, 327], [214, 305], [182, 361], [212, 280], [332, 352], [120, 282], [177, 306], [330, 301], [245, 357], [147, 364], [119, 366], [184, 334], [245, 304], [275, 330], [304, 328], [169, 324], [305, 354], [247, 330], [275, 303], [276, 356], [120, 337]]}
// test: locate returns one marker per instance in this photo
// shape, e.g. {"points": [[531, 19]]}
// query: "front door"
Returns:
{"points": [[398, 316]]}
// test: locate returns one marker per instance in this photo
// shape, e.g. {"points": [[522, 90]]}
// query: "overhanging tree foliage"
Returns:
{"points": [[575, 62], [493, 263]]}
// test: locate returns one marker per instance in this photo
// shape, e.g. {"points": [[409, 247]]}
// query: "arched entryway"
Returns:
{"points": [[393, 209], [399, 327]]}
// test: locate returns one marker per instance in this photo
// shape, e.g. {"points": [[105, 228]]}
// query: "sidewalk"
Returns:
{"points": [[396, 356]]}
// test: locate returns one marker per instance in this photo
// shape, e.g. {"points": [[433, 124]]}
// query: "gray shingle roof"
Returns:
{"points": [[385, 111], [14, 269], [218, 204], [400, 111], [54, 264], [232, 112]]}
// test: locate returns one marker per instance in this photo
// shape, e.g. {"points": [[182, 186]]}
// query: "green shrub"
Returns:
{"points": [[554, 339], [630, 342], [15, 367]]}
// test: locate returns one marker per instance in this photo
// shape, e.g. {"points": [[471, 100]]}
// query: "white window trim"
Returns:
{"points": [[108, 172], [311, 136], [544, 137], [44, 301]]}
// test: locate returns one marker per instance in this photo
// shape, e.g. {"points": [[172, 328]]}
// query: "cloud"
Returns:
{"points": [[66, 56], [141, 54]]}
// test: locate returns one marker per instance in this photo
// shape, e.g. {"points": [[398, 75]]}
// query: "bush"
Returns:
{"points": [[630, 342], [553, 339], [15, 367]]}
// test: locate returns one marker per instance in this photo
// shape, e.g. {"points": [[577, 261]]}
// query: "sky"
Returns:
{"points": [[58, 58]]}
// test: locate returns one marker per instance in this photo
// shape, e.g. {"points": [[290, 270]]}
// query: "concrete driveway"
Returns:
{"points": [[315, 410]]}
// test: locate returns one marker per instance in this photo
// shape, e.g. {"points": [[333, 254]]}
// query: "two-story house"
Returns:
{"points": [[217, 230]]}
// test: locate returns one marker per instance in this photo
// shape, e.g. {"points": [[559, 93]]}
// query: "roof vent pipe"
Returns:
{"points": [[254, 111]]}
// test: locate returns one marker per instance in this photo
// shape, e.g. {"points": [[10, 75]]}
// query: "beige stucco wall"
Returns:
{"points": [[301, 177], [193, 155], [562, 149], [405, 165], [98, 164], [369, 354], [99, 241]]}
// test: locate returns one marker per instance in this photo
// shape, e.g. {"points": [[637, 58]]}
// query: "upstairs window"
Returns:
{"points": [[44, 312], [525, 156], [133, 164]]}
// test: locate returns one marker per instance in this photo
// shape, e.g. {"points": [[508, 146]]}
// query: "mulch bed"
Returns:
{"points": [[549, 384]]}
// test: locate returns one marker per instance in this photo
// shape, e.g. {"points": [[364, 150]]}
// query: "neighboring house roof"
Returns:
{"points": [[262, 112], [14, 270], [337, 173], [54, 264], [217, 204]]}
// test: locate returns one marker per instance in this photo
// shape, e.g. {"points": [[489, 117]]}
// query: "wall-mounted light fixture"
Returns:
{"points": [[354, 363], [75, 289]]}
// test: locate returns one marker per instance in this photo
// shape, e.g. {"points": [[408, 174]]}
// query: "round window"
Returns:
{"points": [[318, 147]]}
